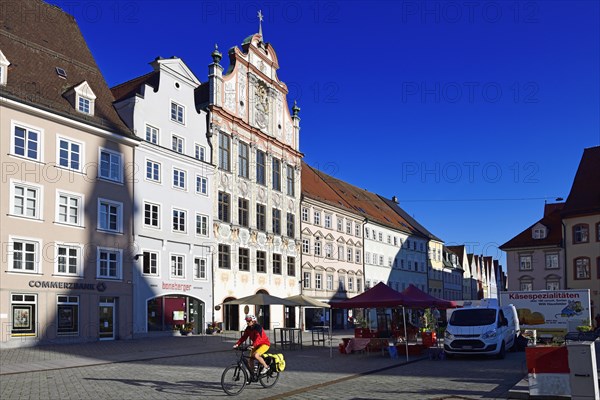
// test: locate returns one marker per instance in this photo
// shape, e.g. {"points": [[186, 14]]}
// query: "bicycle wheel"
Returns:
{"points": [[234, 380], [269, 379]]}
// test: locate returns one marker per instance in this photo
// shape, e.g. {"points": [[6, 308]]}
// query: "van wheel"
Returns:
{"points": [[502, 353]]}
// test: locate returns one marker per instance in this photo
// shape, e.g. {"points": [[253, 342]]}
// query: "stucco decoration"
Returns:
{"points": [[277, 281], [277, 244], [261, 239], [235, 233], [215, 230], [224, 231], [262, 281], [261, 194], [224, 181], [224, 277], [293, 247], [242, 91], [288, 133], [243, 187], [229, 103], [291, 205], [244, 236], [253, 237], [245, 278], [279, 115], [261, 105], [276, 200]]}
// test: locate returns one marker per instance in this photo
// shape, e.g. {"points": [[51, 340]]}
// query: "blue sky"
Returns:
{"points": [[471, 113]]}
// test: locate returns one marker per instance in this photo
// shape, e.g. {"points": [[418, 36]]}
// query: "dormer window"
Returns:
{"points": [[3, 69], [84, 98], [539, 232]]}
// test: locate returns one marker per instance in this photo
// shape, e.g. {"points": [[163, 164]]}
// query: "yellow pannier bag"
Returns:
{"points": [[277, 359]]}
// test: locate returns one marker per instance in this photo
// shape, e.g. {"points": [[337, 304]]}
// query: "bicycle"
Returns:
{"points": [[236, 376]]}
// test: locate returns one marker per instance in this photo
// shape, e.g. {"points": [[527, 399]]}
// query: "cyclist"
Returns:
{"points": [[260, 343]]}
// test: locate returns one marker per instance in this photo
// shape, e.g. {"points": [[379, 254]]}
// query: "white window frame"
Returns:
{"points": [[179, 179], [522, 259], [177, 144], [329, 282], [174, 274], [553, 284], [4, 63], [158, 218], [80, 207], [85, 98], [557, 260], [119, 158], [85, 105], [304, 214], [156, 267], [179, 116], [317, 218], [28, 129], [318, 280], [328, 221], [305, 246], [39, 199], [119, 263], [306, 280], [152, 134], [201, 185], [202, 222], [200, 271], [78, 259], [70, 142], [37, 245], [180, 210], [199, 152], [119, 205], [154, 165]]}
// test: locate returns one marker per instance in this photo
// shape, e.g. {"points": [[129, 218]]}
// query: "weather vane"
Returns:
{"points": [[260, 19]]}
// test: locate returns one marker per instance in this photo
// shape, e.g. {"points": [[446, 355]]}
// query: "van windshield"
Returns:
{"points": [[474, 317]]}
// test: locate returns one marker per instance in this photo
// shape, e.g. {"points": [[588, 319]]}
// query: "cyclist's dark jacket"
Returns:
{"points": [[256, 334]]}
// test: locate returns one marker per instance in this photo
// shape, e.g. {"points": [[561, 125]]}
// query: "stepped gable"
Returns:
{"points": [[37, 38]]}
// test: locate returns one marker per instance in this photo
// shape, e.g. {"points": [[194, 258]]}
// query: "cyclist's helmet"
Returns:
{"points": [[250, 317]]}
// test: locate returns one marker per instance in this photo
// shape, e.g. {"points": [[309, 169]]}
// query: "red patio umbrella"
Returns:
{"points": [[416, 298]]}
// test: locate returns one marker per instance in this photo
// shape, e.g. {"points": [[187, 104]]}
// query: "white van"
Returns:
{"points": [[483, 329]]}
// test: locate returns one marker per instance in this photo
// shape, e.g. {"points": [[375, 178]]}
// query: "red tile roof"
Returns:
{"points": [[551, 221], [362, 202], [36, 39], [584, 197]]}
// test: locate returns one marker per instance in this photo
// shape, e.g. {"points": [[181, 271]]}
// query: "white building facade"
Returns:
{"points": [[173, 199], [255, 144]]}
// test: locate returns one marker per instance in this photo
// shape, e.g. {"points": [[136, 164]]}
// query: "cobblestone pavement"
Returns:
{"points": [[191, 367]]}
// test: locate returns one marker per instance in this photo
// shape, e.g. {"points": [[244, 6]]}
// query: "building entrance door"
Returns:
{"points": [[106, 317]]}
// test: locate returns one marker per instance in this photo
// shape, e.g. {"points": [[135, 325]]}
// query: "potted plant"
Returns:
{"points": [[187, 328], [584, 327], [213, 327]]}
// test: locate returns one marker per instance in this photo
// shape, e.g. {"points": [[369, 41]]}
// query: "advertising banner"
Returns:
{"points": [[550, 312]]}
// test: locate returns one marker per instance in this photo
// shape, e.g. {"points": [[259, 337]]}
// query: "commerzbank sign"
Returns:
{"points": [[100, 286]]}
